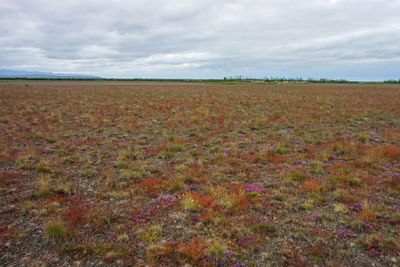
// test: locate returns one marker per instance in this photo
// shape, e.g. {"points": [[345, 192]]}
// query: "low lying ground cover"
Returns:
{"points": [[205, 175]]}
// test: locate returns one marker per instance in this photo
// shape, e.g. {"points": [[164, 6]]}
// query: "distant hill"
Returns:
{"points": [[47, 75]]}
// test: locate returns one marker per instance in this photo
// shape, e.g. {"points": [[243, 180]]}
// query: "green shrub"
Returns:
{"points": [[178, 186], [57, 230], [153, 233], [216, 250], [42, 169], [122, 165]]}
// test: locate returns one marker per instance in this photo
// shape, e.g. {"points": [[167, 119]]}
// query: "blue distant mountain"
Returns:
{"points": [[47, 75]]}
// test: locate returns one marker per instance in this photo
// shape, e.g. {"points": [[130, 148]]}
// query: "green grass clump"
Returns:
{"points": [[356, 225], [128, 154], [298, 177], [166, 155], [176, 148], [122, 165], [178, 186], [281, 150], [57, 231], [216, 250], [189, 204], [306, 206], [153, 251], [42, 169], [153, 233], [344, 196]]}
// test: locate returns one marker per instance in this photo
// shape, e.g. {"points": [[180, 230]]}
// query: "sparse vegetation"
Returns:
{"points": [[203, 174]]}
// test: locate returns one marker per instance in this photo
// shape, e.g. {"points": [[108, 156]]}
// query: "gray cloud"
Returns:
{"points": [[154, 38]]}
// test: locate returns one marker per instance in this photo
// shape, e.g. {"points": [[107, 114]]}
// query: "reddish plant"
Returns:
{"points": [[312, 186], [205, 201], [391, 152], [317, 251], [151, 186], [75, 213], [194, 250], [241, 201], [367, 214]]}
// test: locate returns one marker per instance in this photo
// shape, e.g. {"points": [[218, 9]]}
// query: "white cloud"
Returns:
{"points": [[206, 38]]}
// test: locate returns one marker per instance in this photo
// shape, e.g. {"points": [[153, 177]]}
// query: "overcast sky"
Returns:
{"points": [[350, 39]]}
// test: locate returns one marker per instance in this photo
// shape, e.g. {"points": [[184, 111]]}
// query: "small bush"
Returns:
{"points": [[306, 206], [154, 251], [356, 225], [178, 186], [188, 203], [42, 169], [312, 186], [391, 152], [372, 244], [344, 196], [194, 250], [216, 250], [154, 233], [75, 213], [297, 176], [122, 165], [57, 231]]}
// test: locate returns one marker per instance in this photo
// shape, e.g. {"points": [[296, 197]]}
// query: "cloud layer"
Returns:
{"points": [[203, 39]]}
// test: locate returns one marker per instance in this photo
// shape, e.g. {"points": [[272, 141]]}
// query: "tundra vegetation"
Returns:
{"points": [[168, 174]]}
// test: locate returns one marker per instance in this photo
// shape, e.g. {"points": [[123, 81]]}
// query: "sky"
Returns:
{"points": [[349, 39]]}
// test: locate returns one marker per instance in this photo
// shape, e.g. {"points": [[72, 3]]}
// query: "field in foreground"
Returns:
{"points": [[205, 175]]}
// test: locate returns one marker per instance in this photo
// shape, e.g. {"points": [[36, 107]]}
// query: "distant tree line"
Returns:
{"points": [[230, 79], [392, 81], [284, 79]]}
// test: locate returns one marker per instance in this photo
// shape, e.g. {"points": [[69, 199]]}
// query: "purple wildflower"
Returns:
{"points": [[374, 253], [191, 188], [142, 217], [228, 253], [255, 188], [266, 219], [315, 217], [354, 206], [113, 234], [368, 226], [345, 234]]}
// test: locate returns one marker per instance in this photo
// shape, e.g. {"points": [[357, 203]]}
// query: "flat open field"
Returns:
{"points": [[198, 174]]}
